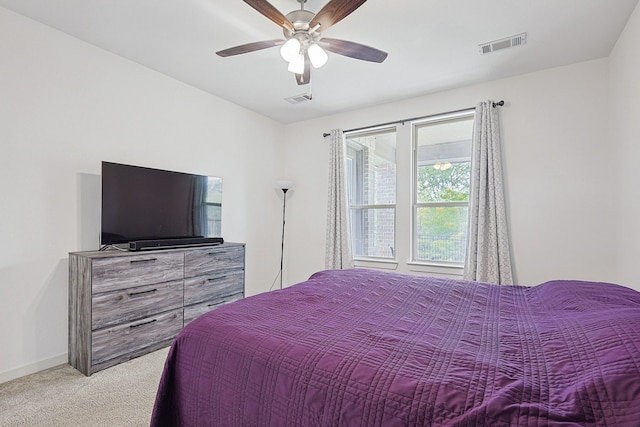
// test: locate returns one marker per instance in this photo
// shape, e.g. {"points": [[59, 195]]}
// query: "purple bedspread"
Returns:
{"points": [[369, 348]]}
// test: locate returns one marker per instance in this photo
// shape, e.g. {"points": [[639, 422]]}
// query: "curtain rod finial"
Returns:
{"points": [[499, 103]]}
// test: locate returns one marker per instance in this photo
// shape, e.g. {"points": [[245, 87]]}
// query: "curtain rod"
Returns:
{"points": [[494, 104]]}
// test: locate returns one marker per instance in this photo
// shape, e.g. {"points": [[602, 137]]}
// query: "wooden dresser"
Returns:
{"points": [[126, 304]]}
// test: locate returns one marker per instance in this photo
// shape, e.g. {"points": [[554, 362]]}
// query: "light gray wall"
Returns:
{"points": [[64, 107], [557, 166], [624, 139]]}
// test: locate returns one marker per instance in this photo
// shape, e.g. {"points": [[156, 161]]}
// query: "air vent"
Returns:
{"points": [[296, 99], [513, 41]]}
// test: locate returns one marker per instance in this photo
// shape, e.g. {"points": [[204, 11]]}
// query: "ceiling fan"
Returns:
{"points": [[304, 44]]}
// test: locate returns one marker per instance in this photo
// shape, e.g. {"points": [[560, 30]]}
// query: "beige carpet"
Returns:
{"points": [[122, 395]]}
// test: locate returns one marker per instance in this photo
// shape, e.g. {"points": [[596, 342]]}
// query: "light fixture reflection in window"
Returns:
{"points": [[442, 166]]}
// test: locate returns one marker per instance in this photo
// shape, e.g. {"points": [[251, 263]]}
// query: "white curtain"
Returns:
{"points": [[488, 253], [338, 251]]}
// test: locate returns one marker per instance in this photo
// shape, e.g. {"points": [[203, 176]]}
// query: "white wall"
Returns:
{"points": [[64, 107], [557, 169], [625, 140]]}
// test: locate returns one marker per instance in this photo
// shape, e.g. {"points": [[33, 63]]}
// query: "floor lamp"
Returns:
{"points": [[284, 186]]}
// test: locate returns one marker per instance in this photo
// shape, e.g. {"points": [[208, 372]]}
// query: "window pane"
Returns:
{"points": [[441, 233], [214, 190], [213, 207], [442, 184], [214, 220], [372, 174], [373, 232], [443, 163], [450, 183], [371, 182]]}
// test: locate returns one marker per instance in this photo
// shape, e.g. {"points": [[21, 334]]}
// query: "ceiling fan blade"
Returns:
{"points": [[334, 11], [249, 47], [353, 50], [266, 9], [305, 78]]}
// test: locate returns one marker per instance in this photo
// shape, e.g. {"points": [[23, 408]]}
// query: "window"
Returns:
{"points": [[371, 171], [408, 187], [213, 207], [442, 171]]}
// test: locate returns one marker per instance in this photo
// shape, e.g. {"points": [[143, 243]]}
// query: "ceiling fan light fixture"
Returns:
{"points": [[297, 65], [302, 30], [290, 50], [317, 55]]}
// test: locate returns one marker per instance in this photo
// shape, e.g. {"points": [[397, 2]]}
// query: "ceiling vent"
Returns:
{"points": [[513, 41], [296, 99]]}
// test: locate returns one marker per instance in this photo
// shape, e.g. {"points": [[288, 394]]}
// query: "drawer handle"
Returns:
{"points": [[135, 294], [211, 279], [143, 323], [143, 260]]}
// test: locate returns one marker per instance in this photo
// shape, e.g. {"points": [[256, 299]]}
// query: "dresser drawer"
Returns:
{"points": [[116, 341], [196, 310], [135, 303], [122, 272], [213, 286], [205, 261]]}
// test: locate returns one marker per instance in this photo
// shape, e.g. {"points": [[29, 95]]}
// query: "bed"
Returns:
{"points": [[370, 348]]}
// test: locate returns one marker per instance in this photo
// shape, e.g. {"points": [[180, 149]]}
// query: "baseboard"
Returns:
{"points": [[32, 368]]}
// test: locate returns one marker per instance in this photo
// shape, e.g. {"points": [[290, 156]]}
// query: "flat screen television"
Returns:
{"points": [[145, 204]]}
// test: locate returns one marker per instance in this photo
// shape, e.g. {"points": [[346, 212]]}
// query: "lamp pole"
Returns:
{"points": [[284, 186], [284, 205]]}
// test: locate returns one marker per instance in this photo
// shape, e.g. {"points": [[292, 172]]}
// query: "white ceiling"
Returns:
{"points": [[432, 44]]}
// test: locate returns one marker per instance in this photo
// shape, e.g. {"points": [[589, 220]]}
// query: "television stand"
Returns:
{"points": [[125, 304], [143, 245]]}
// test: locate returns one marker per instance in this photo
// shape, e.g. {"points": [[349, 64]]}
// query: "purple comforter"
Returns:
{"points": [[369, 348]]}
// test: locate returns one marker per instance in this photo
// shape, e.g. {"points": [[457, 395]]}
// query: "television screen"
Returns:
{"points": [[140, 203]]}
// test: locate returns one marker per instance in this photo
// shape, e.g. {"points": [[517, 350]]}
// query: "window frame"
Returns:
{"points": [[404, 209], [415, 204], [358, 172]]}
